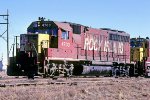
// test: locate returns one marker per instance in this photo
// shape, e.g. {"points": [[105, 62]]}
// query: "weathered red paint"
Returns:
{"points": [[92, 41]]}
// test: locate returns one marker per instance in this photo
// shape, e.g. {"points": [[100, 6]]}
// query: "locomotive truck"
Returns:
{"points": [[54, 48]]}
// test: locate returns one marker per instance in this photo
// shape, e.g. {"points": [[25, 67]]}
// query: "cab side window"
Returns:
{"points": [[65, 35]]}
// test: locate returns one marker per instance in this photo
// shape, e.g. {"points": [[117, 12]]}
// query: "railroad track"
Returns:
{"points": [[21, 81], [35, 83], [13, 82]]}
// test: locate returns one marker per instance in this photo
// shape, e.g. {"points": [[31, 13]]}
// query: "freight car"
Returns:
{"points": [[52, 47]]}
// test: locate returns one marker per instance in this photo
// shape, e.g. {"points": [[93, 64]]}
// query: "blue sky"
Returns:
{"points": [[132, 16]]}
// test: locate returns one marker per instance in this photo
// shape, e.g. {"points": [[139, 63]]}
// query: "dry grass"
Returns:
{"points": [[103, 89]]}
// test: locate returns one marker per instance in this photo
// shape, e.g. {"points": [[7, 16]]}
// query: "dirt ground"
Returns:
{"points": [[107, 88]]}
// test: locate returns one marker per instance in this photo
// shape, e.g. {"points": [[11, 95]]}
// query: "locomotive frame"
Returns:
{"points": [[59, 45]]}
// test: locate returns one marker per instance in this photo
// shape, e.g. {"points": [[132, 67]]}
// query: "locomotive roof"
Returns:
{"points": [[73, 23], [112, 30], [67, 26], [96, 28], [64, 26]]}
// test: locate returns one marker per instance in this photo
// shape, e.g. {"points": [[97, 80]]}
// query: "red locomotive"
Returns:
{"points": [[51, 46]]}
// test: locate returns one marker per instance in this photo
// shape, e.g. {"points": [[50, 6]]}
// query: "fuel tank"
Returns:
{"points": [[97, 70]]}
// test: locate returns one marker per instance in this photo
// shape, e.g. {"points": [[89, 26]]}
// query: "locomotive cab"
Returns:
{"points": [[39, 47]]}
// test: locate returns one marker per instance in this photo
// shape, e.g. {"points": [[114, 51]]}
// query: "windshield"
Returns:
{"points": [[45, 27]]}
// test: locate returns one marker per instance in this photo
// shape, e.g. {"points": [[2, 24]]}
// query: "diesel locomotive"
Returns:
{"points": [[54, 48]]}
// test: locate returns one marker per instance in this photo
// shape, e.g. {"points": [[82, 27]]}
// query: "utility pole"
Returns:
{"points": [[7, 40], [16, 37]]}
